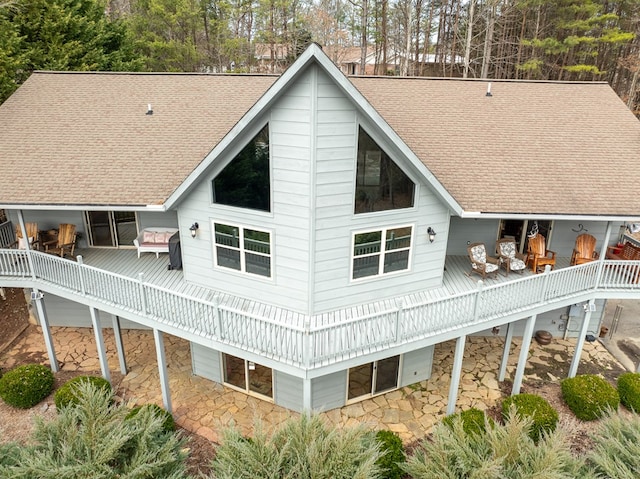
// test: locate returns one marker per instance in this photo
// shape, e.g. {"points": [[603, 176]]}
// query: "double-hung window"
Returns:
{"points": [[243, 249], [381, 251]]}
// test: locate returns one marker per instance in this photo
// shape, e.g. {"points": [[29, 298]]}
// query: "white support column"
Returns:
{"points": [[102, 354], [46, 331], [162, 370], [306, 394], [117, 336], [508, 338], [573, 369], [524, 354], [455, 375]]}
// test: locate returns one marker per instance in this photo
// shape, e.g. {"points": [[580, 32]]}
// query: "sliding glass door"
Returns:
{"points": [[111, 229]]}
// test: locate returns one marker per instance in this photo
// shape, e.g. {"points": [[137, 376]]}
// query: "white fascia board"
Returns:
{"points": [[257, 109], [88, 207], [540, 216], [366, 107]]}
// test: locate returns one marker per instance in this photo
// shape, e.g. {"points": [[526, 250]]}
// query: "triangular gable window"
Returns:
{"points": [[245, 182], [380, 183]]}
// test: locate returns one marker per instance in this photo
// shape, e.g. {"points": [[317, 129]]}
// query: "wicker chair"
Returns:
{"points": [[511, 259], [584, 250], [65, 243], [538, 256], [481, 263]]}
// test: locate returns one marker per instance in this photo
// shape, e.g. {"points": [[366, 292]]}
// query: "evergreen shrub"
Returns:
{"points": [[616, 450], [629, 390], [68, 394], [25, 386], [392, 454], [589, 396], [544, 418], [168, 424], [473, 420]]}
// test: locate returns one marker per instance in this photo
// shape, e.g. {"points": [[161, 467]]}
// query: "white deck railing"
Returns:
{"points": [[313, 342]]}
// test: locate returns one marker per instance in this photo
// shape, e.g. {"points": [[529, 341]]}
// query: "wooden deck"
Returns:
{"points": [[456, 279]]}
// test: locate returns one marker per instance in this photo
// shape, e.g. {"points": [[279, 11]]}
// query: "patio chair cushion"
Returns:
{"points": [[488, 267], [516, 264]]}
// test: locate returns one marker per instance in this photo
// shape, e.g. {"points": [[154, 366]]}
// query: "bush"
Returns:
{"points": [[301, 447], [589, 396], [629, 390], [67, 395], [25, 386], [94, 440], [543, 417], [473, 420], [616, 451], [168, 424], [501, 451], [392, 454]]}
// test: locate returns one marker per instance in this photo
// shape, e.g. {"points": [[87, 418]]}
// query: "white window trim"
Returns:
{"points": [[382, 253], [241, 249]]}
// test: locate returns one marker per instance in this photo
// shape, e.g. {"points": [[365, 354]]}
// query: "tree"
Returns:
{"points": [[60, 35]]}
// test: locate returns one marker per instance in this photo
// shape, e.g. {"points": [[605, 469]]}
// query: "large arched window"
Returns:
{"points": [[380, 184], [245, 182]]}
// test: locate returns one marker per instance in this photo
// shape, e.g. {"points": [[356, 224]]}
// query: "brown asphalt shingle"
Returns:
{"points": [[84, 138], [532, 147]]}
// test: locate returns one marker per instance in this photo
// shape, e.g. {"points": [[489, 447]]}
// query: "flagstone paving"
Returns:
{"points": [[204, 407]]}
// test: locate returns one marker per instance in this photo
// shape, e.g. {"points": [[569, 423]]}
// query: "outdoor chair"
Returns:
{"points": [[481, 263], [65, 243], [509, 256], [538, 256], [32, 233], [584, 250]]}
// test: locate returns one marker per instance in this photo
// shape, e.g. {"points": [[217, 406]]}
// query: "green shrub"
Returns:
{"points": [[94, 440], [25, 386], [629, 390], [543, 417], [589, 396], [499, 452], [168, 424], [67, 395], [616, 450], [301, 447], [392, 454], [473, 420]]}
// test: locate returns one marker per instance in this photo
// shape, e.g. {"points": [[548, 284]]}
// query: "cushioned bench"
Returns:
{"points": [[154, 240]]}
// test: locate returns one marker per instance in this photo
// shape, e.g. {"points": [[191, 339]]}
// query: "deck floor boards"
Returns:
{"points": [[456, 279]]}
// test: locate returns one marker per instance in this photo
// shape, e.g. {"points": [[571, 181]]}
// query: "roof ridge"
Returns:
{"points": [[485, 80]]}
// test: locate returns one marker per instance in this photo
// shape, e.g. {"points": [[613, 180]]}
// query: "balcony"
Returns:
{"points": [[145, 291]]}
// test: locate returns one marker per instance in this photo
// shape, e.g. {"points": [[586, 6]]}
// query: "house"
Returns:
{"points": [[323, 220]]}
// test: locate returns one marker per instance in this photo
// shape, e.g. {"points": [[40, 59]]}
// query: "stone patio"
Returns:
{"points": [[204, 407]]}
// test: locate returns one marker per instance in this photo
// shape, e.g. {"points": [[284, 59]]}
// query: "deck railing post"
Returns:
{"points": [[476, 301], [545, 282], [399, 316], [143, 297], [81, 274], [217, 319], [306, 350]]}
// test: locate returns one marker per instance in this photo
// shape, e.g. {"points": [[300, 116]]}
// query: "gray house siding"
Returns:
{"points": [[206, 362], [288, 391], [168, 219], [416, 366], [329, 392]]}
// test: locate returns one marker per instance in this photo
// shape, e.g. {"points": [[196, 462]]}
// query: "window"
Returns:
{"points": [[243, 249], [248, 376], [372, 256], [380, 184], [245, 182], [373, 378]]}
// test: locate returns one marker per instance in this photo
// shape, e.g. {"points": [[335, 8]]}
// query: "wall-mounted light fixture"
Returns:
{"points": [[194, 229], [432, 234]]}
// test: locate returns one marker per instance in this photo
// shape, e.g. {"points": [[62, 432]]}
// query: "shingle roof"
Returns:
{"points": [[85, 138], [530, 147]]}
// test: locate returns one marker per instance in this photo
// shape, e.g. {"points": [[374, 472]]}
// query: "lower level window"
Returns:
{"points": [[243, 249], [248, 376], [373, 378], [381, 251]]}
